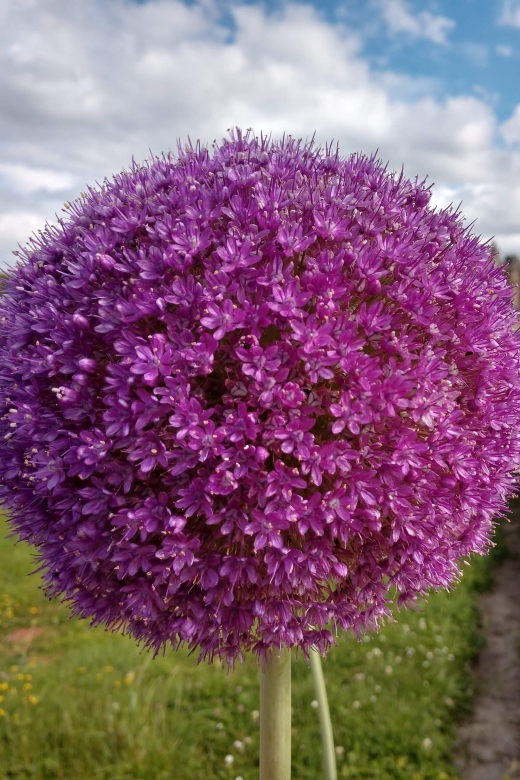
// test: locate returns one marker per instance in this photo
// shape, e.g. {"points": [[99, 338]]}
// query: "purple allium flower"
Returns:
{"points": [[247, 393]]}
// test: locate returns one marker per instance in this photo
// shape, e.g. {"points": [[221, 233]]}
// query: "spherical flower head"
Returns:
{"points": [[248, 394]]}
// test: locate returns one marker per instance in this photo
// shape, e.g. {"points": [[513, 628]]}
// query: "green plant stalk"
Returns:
{"points": [[275, 717], [327, 739]]}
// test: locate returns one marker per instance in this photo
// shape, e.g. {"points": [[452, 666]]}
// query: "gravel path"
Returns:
{"points": [[489, 741]]}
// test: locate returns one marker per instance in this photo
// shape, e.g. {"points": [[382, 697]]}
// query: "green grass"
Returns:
{"points": [[84, 704]]}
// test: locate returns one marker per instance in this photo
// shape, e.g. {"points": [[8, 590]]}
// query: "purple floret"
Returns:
{"points": [[247, 394]]}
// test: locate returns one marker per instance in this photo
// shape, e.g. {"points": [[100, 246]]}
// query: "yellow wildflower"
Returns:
{"points": [[27, 687], [13, 668], [129, 678], [4, 686], [33, 610], [2, 713], [33, 699]]}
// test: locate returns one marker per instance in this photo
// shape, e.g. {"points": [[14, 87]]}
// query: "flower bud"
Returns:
{"points": [[80, 321], [448, 482], [87, 364]]}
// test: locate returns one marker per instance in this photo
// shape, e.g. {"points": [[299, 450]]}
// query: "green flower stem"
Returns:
{"points": [[275, 717], [327, 739]]}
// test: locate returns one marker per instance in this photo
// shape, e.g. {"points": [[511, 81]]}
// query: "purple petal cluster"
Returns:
{"points": [[247, 394]]}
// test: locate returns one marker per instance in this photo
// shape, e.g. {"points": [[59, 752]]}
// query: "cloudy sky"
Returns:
{"points": [[431, 84]]}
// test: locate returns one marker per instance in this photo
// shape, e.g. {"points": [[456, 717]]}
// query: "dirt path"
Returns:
{"points": [[489, 741]]}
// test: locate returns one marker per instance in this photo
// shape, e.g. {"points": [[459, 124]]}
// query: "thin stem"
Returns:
{"points": [[275, 717], [327, 739]]}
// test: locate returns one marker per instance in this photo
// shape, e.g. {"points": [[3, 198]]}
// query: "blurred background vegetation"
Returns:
{"points": [[84, 704]]}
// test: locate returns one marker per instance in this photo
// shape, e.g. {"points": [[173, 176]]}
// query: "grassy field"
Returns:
{"points": [[83, 704]]}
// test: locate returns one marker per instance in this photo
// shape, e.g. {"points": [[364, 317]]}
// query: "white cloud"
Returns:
{"points": [[510, 13], [504, 51], [476, 53], [510, 129], [25, 179], [400, 19], [15, 227], [86, 86]]}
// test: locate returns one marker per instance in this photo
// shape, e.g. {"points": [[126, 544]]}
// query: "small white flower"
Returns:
{"points": [[356, 705], [340, 750], [427, 744], [373, 698], [429, 656], [229, 759], [219, 726], [388, 670], [426, 664], [255, 714], [451, 657], [314, 704], [238, 744], [422, 624]]}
